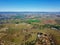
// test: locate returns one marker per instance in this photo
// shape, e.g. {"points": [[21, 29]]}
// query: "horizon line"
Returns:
{"points": [[29, 11]]}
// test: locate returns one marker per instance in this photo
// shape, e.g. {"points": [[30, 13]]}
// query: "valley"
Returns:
{"points": [[29, 28]]}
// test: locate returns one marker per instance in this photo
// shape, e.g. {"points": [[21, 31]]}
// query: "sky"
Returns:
{"points": [[30, 5]]}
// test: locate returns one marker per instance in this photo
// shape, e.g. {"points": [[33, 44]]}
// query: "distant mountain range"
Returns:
{"points": [[29, 12]]}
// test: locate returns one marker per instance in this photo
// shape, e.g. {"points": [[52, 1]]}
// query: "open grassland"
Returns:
{"points": [[21, 33]]}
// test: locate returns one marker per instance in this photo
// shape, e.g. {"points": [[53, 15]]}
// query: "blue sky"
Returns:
{"points": [[30, 5]]}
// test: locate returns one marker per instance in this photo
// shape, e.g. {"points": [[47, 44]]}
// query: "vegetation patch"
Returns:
{"points": [[32, 20]]}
